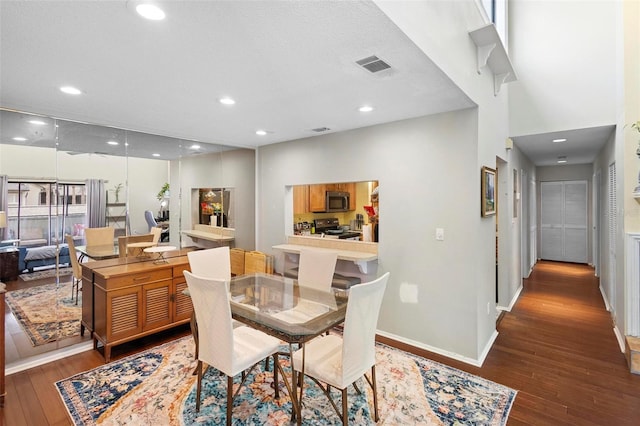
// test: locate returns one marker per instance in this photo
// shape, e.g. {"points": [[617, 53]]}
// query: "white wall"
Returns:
{"points": [[441, 30], [612, 291], [229, 169], [511, 237], [428, 178], [559, 48]]}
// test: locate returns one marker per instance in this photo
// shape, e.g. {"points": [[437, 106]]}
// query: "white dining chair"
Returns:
{"points": [[214, 263], [339, 361], [316, 268], [227, 349], [211, 263]]}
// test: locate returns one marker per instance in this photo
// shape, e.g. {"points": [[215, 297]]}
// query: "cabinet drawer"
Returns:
{"points": [[138, 278], [178, 270]]}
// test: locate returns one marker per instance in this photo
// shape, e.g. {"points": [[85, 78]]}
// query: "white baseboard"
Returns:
{"points": [[514, 299], [620, 337], [448, 354], [38, 360], [604, 298]]}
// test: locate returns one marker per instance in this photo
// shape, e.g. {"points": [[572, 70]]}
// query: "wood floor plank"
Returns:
{"points": [[556, 348]]}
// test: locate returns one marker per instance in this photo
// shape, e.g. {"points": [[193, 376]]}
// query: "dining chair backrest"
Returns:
{"points": [[211, 304], [237, 261], [211, 263], [363, 307], [156, 232], [316, 268], [99, 236], [75, 264]]}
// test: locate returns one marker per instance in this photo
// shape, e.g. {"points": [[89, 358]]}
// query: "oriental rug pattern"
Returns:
{"points": [[47, 312], [45, 273], [157, 387]]}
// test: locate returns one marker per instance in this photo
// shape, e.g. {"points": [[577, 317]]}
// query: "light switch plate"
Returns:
{"points": [[440, 234]]}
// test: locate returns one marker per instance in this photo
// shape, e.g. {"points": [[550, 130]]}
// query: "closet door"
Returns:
{"points": [[563, 220], [551, 202]]}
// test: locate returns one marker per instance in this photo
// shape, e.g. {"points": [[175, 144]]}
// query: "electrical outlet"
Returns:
{"points": [[440, 234]]}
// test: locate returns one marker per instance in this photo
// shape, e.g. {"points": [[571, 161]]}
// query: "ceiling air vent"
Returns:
{"points": [[373, 64], [320, 129]]}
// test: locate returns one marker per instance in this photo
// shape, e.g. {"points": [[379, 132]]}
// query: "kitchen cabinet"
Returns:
{"points": [[318, 193], [300, 199], [349, 187], [129, 301], [317, 196]]}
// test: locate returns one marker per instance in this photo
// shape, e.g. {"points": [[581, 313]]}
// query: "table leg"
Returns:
{"points": [[296, 412]]}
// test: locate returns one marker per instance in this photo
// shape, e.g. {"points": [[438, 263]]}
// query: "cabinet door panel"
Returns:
{"points": [[124, 315], [300, 199], [156, 301], [182, 305], [317, 196]]}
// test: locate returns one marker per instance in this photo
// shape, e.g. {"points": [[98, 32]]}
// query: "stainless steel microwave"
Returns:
{"points": [[337, 201]]}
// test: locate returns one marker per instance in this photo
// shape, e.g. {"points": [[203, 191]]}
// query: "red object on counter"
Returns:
{"points": [[370, 211]]}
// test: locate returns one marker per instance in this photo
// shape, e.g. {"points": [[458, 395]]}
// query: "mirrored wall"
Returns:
{"points": [[59, 177]]}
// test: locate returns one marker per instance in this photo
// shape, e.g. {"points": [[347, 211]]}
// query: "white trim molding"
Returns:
{"points": [[514, 299], [632, 286]]}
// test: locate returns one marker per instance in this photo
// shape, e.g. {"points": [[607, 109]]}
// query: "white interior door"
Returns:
{"points": [[563, 221]]}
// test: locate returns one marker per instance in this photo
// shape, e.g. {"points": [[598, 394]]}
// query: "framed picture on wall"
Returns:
{"points": [[488, 191]]}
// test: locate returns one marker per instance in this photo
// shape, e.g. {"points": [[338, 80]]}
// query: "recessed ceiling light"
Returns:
{"points": [[19, 139], [150, 11], [155, 154], [194, 146], [559, 140], [365, 108], [69, 90], [113, 142], [227, 101], [37, 122], [261, 132]]}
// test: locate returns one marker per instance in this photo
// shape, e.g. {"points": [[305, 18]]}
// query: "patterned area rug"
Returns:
{"points": [[46, 273], [47, 312], [157, 387]]}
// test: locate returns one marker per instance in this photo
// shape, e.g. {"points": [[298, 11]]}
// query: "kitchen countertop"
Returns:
{"points": [[342, 254]]}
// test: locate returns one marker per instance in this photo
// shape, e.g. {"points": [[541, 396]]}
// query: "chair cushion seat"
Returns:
{"points": [[323, 360], [250, 346]]}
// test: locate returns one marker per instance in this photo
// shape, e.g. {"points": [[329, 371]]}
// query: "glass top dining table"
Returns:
{"points": [[99, 252], [280, 307]]}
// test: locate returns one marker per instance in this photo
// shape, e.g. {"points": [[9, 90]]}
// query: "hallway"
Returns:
{"points": [[558, 350]]}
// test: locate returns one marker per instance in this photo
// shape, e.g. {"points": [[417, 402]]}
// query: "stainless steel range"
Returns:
{"points": [[331, 228]]}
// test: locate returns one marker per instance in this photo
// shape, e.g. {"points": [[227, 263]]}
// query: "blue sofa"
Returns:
{"points": [[31, 257]]}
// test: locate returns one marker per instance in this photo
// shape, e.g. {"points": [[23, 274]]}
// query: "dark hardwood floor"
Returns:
{"points": [[556, 348]]}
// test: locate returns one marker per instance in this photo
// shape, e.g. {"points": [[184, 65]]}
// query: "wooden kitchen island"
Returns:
{"points": [[125, 299]]}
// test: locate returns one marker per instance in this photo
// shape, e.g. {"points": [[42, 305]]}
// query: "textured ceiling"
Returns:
{"points": [[290, 66]]}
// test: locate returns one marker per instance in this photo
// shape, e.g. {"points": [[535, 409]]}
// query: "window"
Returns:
{"points": [[34, 216], [497, 13]]}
